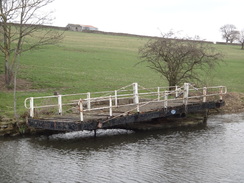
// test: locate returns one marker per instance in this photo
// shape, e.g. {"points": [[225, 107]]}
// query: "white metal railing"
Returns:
{"points": [[138, 97]]}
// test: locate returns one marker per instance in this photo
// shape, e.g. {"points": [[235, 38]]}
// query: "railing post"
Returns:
{"points": [[138, 107], [31, 107], [165, 99], [110, 106], [60, 104], [81, 110], [158, 93], [221, 93], [176, 92], [186, 93], [135, 93], [88, 100], [204, 91], [116, 98]]}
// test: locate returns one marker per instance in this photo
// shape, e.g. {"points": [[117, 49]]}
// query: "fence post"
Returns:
{"points": [[204, 90], [60, 104], [186, 93], [138, 107], [158, 93], [165, 99], [135, 93], [81, 110], [88, 101], [31, 107], [176, 92], [221, 93], [110, 106], [116, 98]]}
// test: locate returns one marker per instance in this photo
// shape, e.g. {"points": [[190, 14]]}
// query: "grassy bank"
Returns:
{"points": [[94, 62]]}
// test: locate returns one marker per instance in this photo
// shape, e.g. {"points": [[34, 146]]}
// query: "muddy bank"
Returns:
{"points": [[234, 103]]}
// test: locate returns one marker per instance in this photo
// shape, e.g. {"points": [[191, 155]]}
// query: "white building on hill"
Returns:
{"points": [[80, 27]]}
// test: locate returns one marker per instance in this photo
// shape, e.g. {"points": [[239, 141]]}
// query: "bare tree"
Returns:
{"points": [[234, 36], [21, 30], [229, 33], [241, 38], [179, 60]]}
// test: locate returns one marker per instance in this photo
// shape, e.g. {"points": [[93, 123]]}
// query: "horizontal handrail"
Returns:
{"points": [[137, 93]]}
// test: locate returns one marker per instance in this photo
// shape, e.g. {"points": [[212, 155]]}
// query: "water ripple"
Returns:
{"points": [[213, 153]]}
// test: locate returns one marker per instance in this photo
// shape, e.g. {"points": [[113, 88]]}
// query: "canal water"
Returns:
{"points": [[211, 153]]}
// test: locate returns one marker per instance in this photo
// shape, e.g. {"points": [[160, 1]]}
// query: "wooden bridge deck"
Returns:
{"points": [[92, 114]]}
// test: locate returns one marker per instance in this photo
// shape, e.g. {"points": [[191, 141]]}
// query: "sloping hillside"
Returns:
{"points": [[94, 62]]}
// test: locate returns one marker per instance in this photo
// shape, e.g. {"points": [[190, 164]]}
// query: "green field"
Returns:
{"points": [[85, 62]]}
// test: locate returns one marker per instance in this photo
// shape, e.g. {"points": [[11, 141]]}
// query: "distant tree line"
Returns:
{"points": [[231, 34]]}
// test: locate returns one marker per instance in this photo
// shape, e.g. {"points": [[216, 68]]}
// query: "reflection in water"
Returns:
{"points": [[212, 153]]}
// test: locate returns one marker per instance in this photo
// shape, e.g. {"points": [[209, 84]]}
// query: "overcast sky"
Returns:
{"points": [[150, 17]]}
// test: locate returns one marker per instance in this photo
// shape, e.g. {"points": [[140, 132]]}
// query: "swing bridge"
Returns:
{"points": [[132, 104]]}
